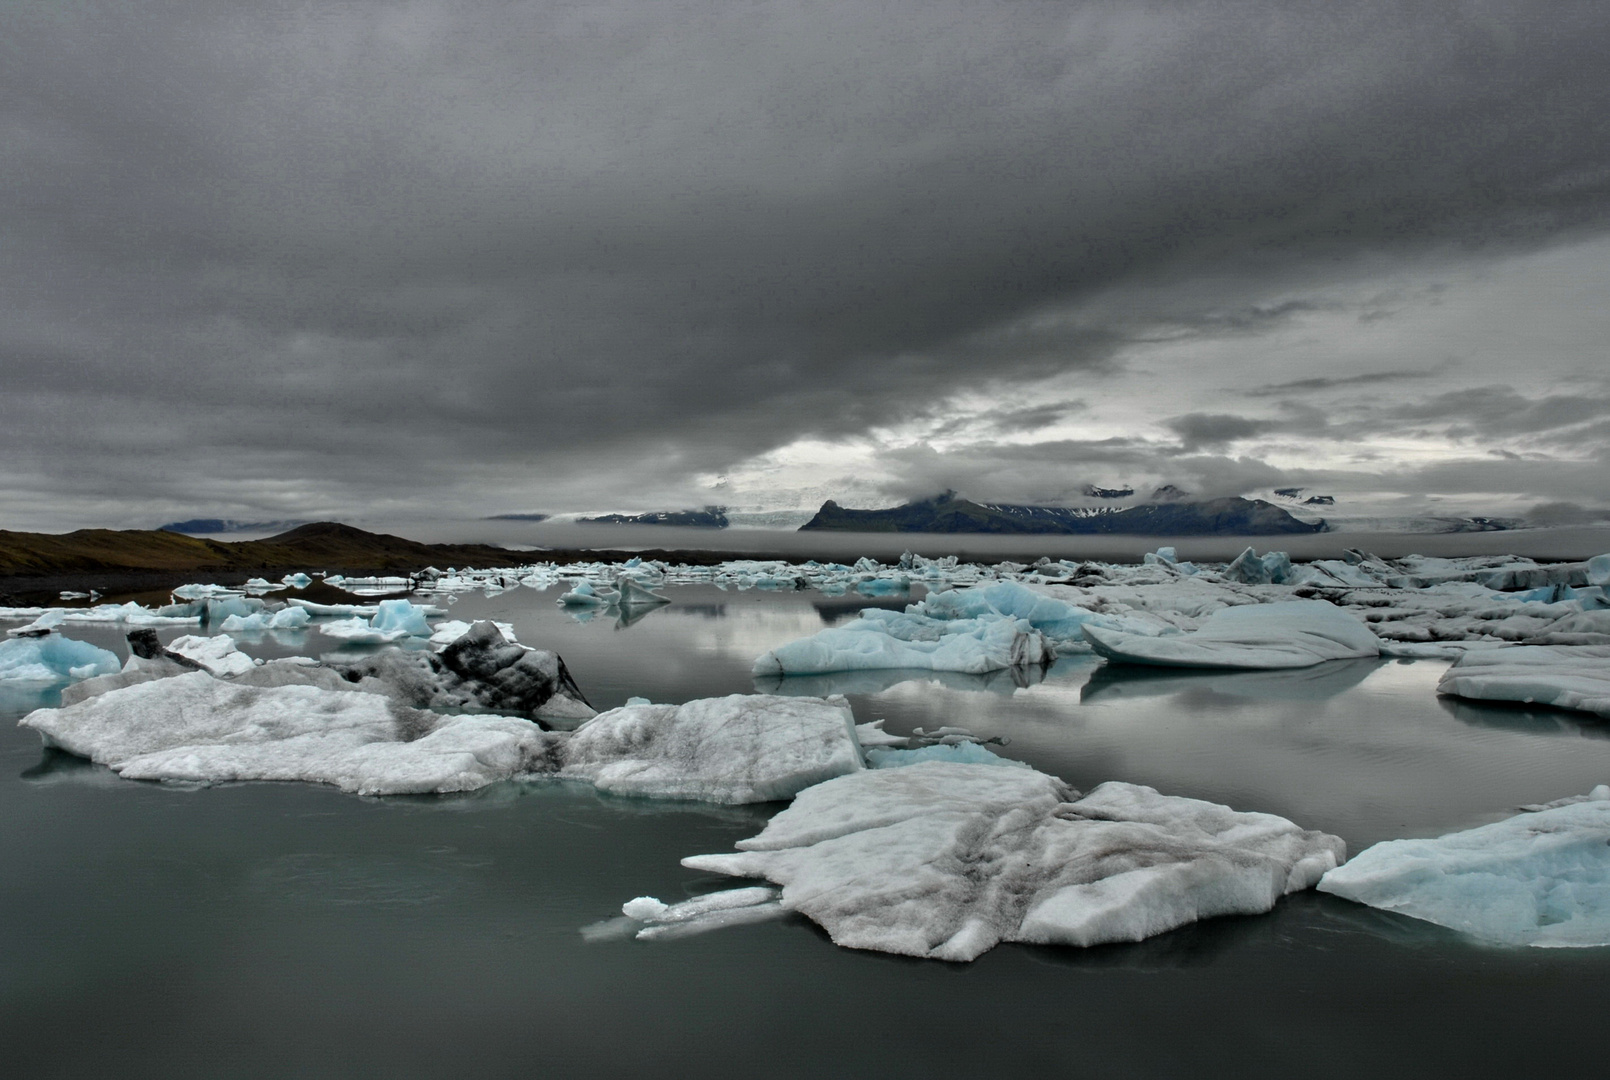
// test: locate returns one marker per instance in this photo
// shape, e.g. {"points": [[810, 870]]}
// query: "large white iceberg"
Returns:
{"points": [[53, 658], [742, 748], [196, 727], [1565, 676], [1535, 879], [1294, 634], [945, 860]]}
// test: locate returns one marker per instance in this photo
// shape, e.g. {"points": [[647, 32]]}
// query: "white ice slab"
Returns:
{"points": [[739, 749], [1565, 676], [945, 860], [1294, 634], [196, 727]]}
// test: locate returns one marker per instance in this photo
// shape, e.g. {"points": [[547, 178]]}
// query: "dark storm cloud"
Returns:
{"points": [[1216, 430], [1364, 380], [322, 257]]}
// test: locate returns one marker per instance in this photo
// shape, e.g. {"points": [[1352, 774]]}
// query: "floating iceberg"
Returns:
{"points": [[287, 618], [1535, 879], [631, 594], [888, 639], [1565, 676], [1294, 634], [393, 620], [585, 595], [53, 658], [1058, 620], [297, 581], [945, 860], [196, 727], [742, 748], [215, 654]]}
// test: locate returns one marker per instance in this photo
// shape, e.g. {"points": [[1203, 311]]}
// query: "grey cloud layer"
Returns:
{"points": [[312, 257]]}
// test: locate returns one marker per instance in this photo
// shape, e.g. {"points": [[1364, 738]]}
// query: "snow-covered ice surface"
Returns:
{"points": [[1564, 676], [945, 860], [1540, 878], [738, 749], [218, 654], [196, 727], [1295, 634]]}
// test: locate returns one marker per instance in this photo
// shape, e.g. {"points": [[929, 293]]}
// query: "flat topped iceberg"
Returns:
{"points": [[739, 749], [195, 727], [1535, 879], [945, 860], [1294, 634], [1565, 676], [53, 658]]}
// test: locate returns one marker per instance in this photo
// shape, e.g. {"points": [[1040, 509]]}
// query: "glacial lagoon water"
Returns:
{"points": [[283, 929]]}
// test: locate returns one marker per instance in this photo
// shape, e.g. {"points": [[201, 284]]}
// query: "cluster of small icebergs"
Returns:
{"points": [[923, 845]]}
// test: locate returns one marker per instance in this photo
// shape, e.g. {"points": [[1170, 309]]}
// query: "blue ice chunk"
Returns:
{"points": [[53, 659]]}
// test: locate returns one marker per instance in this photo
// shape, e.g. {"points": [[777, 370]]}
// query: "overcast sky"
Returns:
{"points": [[368, 260]]}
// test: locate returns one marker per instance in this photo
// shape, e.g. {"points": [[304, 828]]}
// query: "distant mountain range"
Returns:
{"points": [[217, 526], [711, 517], [949, 513]]}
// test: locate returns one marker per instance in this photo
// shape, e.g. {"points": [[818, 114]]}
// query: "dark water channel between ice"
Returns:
{"points": [[290, 930]]}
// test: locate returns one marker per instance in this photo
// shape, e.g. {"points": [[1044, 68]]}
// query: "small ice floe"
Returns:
{"points": [[449, 631], [286, 618], [48, 621], [743, 748], [393, 620], [52, 658], [585, 594], [657, 921], [218, 655], [1294, 634], [1540, 878], [1564, 676], [297, 581], [334, 611], [945, 860]]}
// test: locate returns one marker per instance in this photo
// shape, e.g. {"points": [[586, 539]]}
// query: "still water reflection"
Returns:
{"points": [[266, 930]]}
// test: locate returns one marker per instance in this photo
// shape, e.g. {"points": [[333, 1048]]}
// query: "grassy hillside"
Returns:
{"points": [[321, 545]]}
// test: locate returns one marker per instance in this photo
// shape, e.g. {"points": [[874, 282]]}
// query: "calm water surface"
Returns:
{"points": [[290, 930]]}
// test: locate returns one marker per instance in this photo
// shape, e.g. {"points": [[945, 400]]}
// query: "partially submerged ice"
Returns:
{"points": [[1565, 676], [945, 860], [1294, 634], [1538, 878], [743, 748]]}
